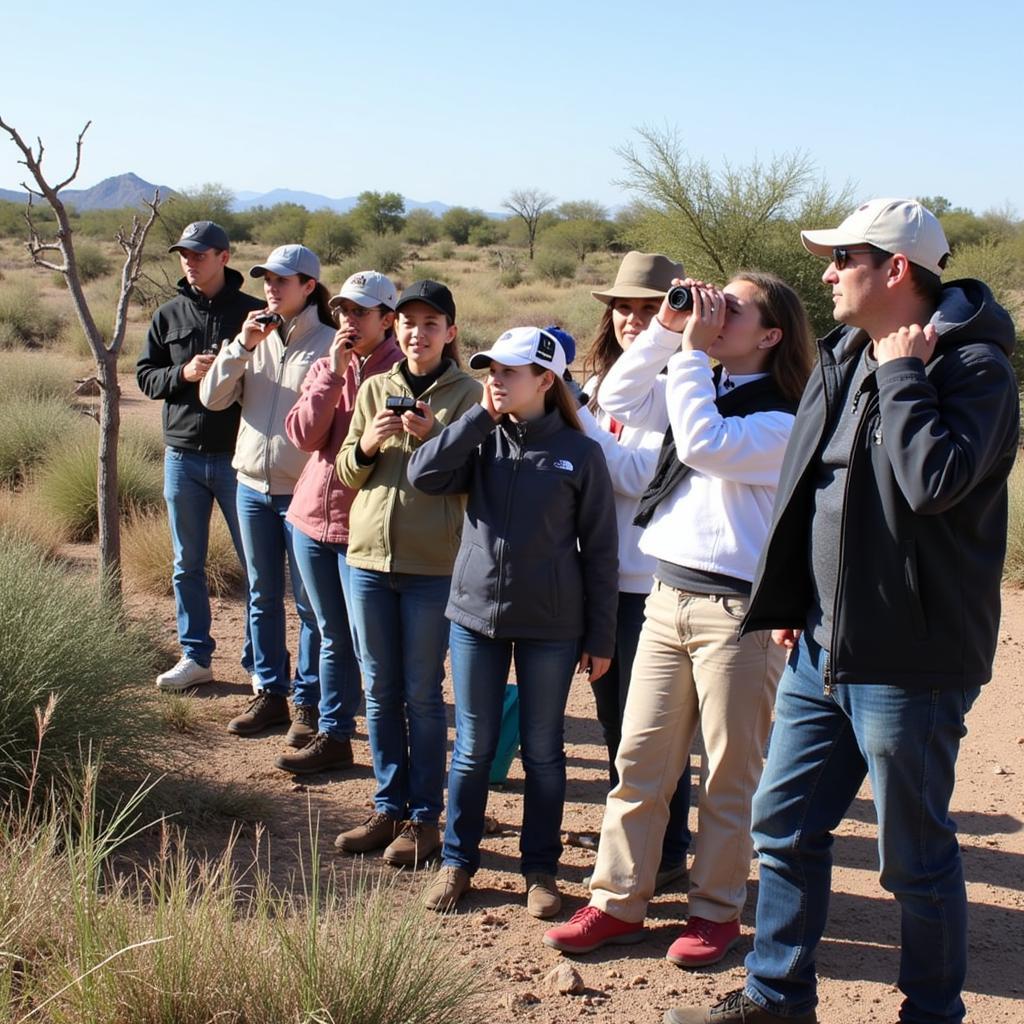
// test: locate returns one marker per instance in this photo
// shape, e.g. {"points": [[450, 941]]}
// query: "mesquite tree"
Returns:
{"points": [[132, 242]]}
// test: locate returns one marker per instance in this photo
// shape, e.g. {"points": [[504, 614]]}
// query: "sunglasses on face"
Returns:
{"points": [[357, 313], [841, 253]]}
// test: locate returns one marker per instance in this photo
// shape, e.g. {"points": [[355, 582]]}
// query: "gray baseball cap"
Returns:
{"points": [[288, 260], [201, 236], [368, 288]]}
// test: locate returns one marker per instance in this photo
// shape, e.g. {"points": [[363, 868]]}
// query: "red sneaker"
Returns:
{"points": [[591, 928], [703, 942]]}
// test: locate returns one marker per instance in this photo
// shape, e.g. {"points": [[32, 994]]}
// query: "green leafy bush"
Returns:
{"points": [[554, 265]]}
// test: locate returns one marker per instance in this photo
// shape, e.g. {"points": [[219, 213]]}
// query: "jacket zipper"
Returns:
{"points": [[857, 434], [520, 442]]}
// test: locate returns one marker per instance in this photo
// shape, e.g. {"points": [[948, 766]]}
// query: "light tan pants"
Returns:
{"points": [[691, 669]]}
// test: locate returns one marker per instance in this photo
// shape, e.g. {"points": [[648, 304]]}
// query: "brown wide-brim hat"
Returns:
{"points": [[642, 275]]}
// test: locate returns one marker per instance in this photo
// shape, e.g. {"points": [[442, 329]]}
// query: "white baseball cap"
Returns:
{"points": [[368, 288], [895, 225], [521, 346]]}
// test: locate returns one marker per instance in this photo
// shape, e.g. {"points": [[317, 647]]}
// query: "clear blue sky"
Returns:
{"points": [[461, 102]]}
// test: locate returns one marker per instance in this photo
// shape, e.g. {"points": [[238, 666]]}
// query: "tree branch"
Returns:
{"points": [[78, 158]]}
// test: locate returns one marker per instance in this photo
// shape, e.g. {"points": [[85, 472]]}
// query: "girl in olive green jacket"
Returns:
{"points": [[402, 546]]}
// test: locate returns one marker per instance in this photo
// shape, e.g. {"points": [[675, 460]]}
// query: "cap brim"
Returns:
{"points": [[426, 302], [360, 298], [821, 243], [274, 268], [627, 291], [481, 360], [191, 246]]}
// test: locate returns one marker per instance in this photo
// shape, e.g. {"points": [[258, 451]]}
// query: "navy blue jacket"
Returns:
{"points": [[539, 552], [925, 510]]}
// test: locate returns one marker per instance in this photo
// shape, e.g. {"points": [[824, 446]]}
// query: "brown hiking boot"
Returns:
{"points": [[448, 887], [373, 834], [414, 845], [262, 712], [542, 896], [305, 719], [321, 754]]}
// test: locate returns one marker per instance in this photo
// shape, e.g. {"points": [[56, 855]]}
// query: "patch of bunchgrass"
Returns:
{"points": [[60, 639], [194, 940], [30, 429], [1013, 571], [20, 520], [149, 558], [67, 484], [25, 318], [35, 375]]}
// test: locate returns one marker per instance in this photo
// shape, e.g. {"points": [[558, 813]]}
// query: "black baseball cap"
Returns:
{"points": [[201, 236], [433, 293]]}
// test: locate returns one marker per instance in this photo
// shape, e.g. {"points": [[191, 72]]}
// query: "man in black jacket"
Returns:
{"points": [[180, 347], [881, 575]]}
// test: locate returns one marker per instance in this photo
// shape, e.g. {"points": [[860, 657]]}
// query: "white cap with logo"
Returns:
{"points": [[521, 346], [368, 288], [895, 225]]}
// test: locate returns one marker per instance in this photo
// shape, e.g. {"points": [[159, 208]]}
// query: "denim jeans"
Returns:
{"points": [[192, 482], [610, 697], [403, 636], [267, 540], [340, 685], [823, 745], [479, 673]]}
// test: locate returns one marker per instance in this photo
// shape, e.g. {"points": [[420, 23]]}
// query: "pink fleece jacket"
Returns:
{"points": [[318, 423]]}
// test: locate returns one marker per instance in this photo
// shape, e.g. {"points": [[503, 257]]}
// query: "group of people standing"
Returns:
{"points": [[720, 523]]}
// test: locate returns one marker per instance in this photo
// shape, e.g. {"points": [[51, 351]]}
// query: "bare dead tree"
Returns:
{"points": [[132, 242], [528, 204]]}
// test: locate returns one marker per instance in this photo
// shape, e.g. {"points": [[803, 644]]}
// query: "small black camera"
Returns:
{"points": [[265, 319], [680, 298], [399, 404]]}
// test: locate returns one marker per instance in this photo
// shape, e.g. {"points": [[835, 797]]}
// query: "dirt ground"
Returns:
{"points": [[858, 959]]}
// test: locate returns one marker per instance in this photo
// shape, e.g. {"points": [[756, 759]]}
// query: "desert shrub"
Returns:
{"points": [[385, 253], [25, 319], [445, 251], [421, 227], [149, 558], [554, 265], [33, 375], [93, 263], [330, 235], [147, 437], [67, 484], [21, 521], [59, 637], [30, 429], [510, 277]]}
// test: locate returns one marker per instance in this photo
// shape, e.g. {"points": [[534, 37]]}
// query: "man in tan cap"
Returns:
{"points": [[881, 576]]}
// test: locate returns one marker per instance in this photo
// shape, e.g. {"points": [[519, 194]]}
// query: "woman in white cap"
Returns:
{"points": [[632, 453], [535, 580], [263, 369], [364, 345]]}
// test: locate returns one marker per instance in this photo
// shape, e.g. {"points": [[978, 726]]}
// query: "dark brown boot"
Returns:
{"points": [[321, 754], [418, 841], [305, 719], [263, 711], [373, 834]]}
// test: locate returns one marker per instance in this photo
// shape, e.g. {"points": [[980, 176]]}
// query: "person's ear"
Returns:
{"points": [[453, 333], [547, 381], [388, 320], [223, 256], [899, 270], [771, 338]]}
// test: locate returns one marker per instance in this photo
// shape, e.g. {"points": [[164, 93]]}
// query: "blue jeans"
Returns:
{"points": [[340, 685], [192, 482], [479, 673], [402, 636], [907, 742], [267, 540], [610, 697]]}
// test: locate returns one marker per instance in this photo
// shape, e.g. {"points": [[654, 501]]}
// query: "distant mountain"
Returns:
{"points": [[315, 201], [110, 194]]}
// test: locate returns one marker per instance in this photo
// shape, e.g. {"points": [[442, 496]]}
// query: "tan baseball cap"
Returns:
{"points": [[642, 275], [895, 225]]}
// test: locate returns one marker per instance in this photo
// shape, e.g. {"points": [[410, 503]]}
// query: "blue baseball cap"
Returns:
{"points": [[565, 339], [289, 260], [201, 236]]}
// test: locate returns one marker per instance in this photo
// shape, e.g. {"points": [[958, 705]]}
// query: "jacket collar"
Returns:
{"points": [[532, 430]]}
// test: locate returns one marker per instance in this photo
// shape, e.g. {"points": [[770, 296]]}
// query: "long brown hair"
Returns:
{"points": [[321, 297], [451, 348], [557, 397], [791, 360], [604, 349]]}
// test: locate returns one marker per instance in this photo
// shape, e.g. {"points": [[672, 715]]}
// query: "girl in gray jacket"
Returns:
{"points": [[536, 579]]}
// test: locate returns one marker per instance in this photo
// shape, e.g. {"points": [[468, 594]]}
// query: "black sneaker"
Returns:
{"points": [[263, 711], [321, 754], [736, 1008]]}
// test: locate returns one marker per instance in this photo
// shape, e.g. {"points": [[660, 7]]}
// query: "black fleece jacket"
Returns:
{"points": [[539, 552], [925, 508], [181, 329]]}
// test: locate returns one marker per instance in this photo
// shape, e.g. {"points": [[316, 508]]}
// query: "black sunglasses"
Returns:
{"points": [[841, 253]]}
